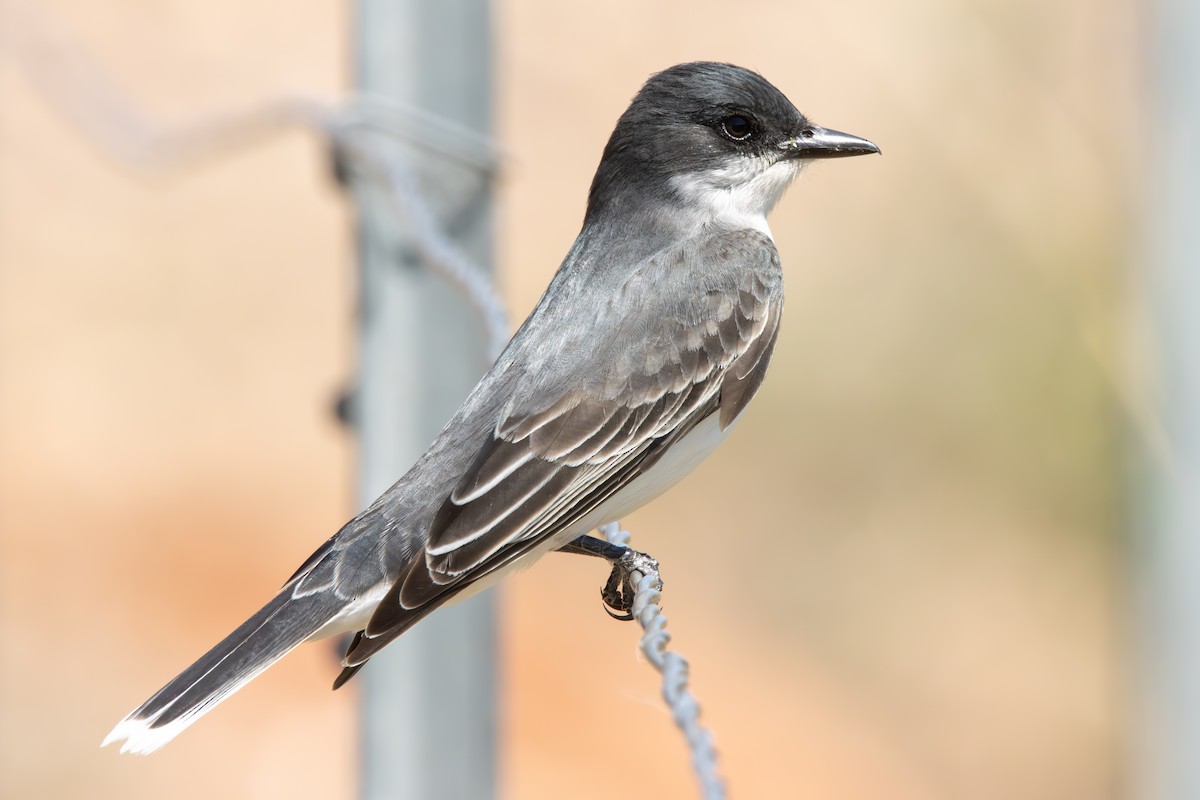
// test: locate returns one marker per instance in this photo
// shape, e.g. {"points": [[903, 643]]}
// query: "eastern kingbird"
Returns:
{"points": [[645, 349]]}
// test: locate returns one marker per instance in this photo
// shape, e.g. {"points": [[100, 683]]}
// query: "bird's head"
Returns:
{"points": [[710, 137]]}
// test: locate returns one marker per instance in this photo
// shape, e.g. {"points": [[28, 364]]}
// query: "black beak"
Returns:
{"points": [[816, 142]]}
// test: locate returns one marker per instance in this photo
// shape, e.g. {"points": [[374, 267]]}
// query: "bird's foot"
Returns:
{"points": [[620, 589]]}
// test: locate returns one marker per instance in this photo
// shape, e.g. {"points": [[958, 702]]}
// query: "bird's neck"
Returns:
{"points": [[680, 208]]}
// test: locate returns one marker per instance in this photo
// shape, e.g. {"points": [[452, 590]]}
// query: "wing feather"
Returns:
{"points": [[698, 342], [495, 463], [469, 521]]}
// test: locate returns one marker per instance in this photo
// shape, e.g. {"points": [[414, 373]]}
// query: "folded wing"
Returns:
{"points": [[566, 444]]}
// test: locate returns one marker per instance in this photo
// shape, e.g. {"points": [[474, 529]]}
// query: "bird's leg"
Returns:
{"points": [[619, 590]]}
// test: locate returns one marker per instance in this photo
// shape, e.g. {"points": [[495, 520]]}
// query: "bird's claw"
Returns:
{"points": [[620, 590]]}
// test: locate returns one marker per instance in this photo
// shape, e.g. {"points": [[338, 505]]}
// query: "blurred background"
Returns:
{"points": [[905, 576]]}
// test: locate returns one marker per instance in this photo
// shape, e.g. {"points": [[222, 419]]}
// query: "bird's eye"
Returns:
{"points": [[737, 127]]}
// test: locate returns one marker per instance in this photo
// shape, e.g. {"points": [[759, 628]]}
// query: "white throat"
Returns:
{"points": [[739, 195]]}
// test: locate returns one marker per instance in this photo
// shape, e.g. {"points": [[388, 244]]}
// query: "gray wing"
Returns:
{"points": [[694, 338]]}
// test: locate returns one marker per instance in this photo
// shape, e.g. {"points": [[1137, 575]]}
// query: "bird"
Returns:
{"points": [[646, 347]]}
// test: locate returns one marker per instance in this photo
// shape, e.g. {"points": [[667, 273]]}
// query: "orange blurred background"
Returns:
{"points": [[901, 578]]}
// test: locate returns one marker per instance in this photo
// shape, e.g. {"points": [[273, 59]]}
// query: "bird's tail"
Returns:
{"points": [[258, 643]]}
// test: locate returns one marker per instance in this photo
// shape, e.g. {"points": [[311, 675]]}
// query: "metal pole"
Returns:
{"points": [[1170, 586], [428, 700]]}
